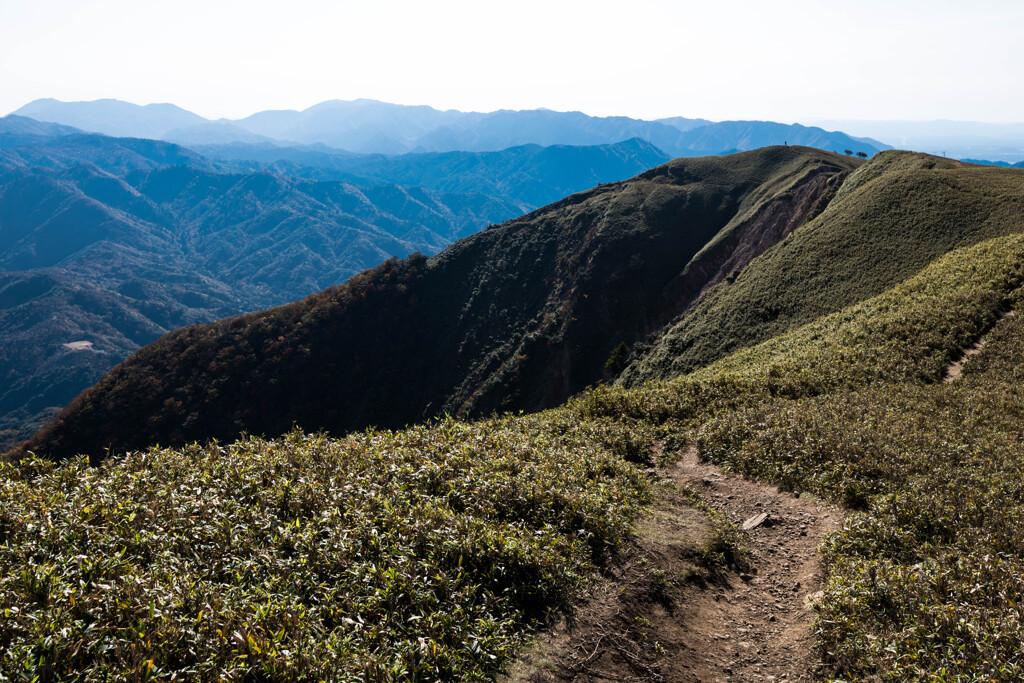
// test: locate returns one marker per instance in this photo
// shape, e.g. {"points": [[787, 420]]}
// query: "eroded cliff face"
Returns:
{"points": [[770, 223], [888, 219]]}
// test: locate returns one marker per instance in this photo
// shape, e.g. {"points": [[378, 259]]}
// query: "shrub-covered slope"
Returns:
{"points": [[517, 317], [421, 555], [891, 218], [427, 552], [924, 579]]}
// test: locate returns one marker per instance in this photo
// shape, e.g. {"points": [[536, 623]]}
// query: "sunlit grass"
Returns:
{"points": [[424, 553]]}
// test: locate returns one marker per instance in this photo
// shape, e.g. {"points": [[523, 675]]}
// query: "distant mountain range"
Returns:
{"points": [[116, 241], [1002, 164], [963, 140], [369, 126], [113, 117], [529, 175]]}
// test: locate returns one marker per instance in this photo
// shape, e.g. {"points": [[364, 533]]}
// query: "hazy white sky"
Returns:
{"points": [[786, 60]]}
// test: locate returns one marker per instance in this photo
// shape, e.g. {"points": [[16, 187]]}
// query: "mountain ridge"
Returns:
{"points": [[370, 126], [100, 231], [519, 316]]}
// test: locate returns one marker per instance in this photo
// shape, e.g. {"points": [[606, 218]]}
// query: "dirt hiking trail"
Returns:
{"points": [[660, 619], [956, 368], [758, 626]]}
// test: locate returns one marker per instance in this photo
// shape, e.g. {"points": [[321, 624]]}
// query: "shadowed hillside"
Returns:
{"points": [[138, 237], [87, 256], [517, 317]]}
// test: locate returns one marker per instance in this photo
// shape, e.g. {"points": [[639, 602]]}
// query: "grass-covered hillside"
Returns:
{"points": [[519, 316], [431, 552], [924, 580], [890, 219], [418, 555]]}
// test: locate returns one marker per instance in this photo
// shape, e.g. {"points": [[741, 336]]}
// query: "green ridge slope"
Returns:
{"points": [[429, 552], [891, 218]]}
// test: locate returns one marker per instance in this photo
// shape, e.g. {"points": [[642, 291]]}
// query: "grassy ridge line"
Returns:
{"points": [[925, 578], [911, 332], [892, 217], [423, 553]]}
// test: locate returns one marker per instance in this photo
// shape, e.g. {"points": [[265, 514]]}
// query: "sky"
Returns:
{"points": [[788, 60]]}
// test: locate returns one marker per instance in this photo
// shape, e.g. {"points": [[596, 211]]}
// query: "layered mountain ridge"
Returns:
{"points": [[519, 316], [683, 263], [369, 126]]}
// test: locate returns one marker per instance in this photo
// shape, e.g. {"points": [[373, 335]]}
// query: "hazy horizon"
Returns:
{"points": [[790, 62], [807, 121]]}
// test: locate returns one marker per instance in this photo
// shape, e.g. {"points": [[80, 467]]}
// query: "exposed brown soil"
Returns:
{"points": [[758, 626], [772, 222], [664, 616], [956, 368]]}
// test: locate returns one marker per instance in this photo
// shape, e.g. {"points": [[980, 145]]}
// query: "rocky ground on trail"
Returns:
{"points": [[757, 625], [663, 617]]}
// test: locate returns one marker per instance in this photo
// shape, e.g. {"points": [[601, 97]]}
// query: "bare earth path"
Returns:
{"points": [[956, 368], [752, 623], [757, 628]]}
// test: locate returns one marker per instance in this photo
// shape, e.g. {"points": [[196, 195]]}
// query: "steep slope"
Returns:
{"points": [[892, 217], [516, 317]]}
